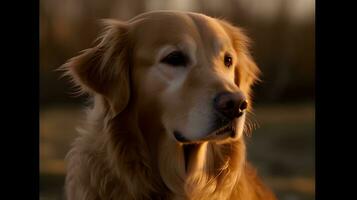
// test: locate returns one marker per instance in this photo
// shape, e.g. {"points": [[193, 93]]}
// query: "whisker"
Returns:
{"points": [[251, 124]]}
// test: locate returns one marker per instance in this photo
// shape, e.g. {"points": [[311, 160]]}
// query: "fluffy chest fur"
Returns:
{"points": [[101, 165]]}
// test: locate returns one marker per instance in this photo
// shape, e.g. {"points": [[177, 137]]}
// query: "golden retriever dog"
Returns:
{"points": [[171, 91]]}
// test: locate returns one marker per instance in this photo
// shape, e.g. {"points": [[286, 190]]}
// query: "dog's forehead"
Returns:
{"points": [[152, 31], [159, 28], [163, 28]]}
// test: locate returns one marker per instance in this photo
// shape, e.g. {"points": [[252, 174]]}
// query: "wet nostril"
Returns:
{"points": [[243, 105], [230, 104]]}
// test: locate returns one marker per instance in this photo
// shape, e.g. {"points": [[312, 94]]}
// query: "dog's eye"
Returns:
{"points": [[228, 60], [176, 58]]}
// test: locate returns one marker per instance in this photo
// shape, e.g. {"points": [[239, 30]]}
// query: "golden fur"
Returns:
{"points": [[126, 149]]}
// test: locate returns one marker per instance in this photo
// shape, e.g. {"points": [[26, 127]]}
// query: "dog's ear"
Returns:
{"points": [[104, 69], [246, 70]]}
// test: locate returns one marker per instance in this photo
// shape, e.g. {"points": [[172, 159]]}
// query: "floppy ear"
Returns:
{"points": [[104, 69], [246, 71]]}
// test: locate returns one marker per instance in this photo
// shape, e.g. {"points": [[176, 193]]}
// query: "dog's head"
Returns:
{"points": [[187, 73]]}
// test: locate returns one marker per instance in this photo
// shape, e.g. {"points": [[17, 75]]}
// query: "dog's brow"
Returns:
{"points": [[218, 45], [166, 49]]}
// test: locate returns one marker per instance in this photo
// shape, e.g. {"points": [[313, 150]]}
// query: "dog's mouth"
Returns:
{"points": [[224, 130], [219, 134]]}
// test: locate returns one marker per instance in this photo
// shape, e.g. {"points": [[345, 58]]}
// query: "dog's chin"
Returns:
{"points": [[223, 135]]}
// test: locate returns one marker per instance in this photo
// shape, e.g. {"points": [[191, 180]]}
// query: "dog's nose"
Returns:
{"points": [[231, 105]]}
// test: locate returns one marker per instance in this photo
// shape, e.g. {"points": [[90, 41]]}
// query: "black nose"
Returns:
{"points": [[231, 105]]}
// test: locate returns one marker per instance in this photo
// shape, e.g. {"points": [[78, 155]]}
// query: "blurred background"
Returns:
{"points": [[283, 145]]}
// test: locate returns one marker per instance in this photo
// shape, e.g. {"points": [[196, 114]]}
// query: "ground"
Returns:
{"points": [[282, 148]]}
